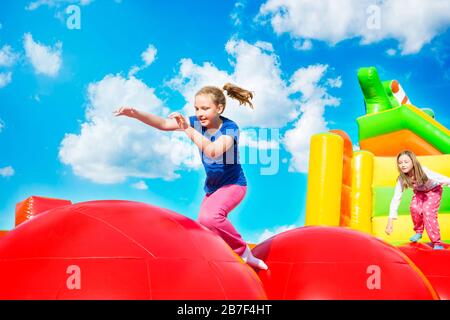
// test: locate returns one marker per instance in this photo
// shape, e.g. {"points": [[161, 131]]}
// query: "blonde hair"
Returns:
{"points": [[418, 173], [233, 91]]}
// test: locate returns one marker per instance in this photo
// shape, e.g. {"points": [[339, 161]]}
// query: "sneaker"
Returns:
{"points": [[438, 247], [415, 237], [253, 261]]}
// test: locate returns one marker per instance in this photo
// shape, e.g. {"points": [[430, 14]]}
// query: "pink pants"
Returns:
{"points": [[214, 210], [424, 211]]}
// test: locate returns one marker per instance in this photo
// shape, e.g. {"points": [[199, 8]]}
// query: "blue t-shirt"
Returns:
{"points": [[225, 169]]}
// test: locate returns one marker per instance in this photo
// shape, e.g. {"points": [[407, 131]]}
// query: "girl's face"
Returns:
{"points": [[405, 163], [206, 110]]}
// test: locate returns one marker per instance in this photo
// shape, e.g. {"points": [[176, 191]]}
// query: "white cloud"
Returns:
{"points": [[5, 78], [148, 56], [305, 80], [303, 45], [391, 52], [2, 125], [268, 233], [55, 3], [413, 23], [313, 102], [141, 185], [110, 149], [133, 71], [45, 60], [236, 14], [256, 68], [7, 59], [7, 56], [335, 83], [7, 171]]}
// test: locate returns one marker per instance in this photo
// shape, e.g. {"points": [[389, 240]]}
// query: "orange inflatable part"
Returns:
{"points": [[33, 205], [390, 144]]}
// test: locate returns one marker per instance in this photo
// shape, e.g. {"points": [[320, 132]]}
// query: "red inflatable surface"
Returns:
{"points": [[120, 250], [338, 263], [435, 265]]}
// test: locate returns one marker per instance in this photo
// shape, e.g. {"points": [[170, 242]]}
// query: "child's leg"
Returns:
{"points": [[416, 212], [430, 214], [214, 211]]}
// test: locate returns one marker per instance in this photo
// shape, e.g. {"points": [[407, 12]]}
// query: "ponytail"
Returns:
{"points": [[233, 91], [240, 94]]}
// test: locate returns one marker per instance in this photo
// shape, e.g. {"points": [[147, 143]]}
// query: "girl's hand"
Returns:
{"points": [[389, 227], [126, 111], [182, 124]]}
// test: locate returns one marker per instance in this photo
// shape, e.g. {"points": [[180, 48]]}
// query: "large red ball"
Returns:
{"points": [[120, 250], [338, 263], [435, 265]]}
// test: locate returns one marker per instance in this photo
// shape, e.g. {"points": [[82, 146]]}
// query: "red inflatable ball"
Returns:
{"points": [[435, 265], [120, 250], [336, 263]]}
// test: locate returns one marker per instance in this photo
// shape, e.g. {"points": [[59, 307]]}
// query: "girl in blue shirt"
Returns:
{"points": [[217, 138]]}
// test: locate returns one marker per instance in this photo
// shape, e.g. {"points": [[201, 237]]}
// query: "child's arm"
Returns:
{"points": [[436, 176], [395, 203], [209, 148], [148, 118]]}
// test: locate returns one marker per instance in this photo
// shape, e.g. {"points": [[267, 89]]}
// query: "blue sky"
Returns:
{"points": [[59, 86]]}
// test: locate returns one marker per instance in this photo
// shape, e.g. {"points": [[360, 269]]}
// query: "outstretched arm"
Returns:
{"points": [[148, 118]]}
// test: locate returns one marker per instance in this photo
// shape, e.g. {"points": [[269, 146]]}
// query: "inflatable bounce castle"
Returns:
{"points": [[354, 189], [130, 250]]}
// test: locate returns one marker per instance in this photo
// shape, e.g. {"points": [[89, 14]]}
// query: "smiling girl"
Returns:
{"points": [[217, 138]]}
